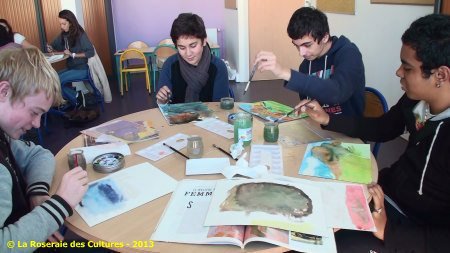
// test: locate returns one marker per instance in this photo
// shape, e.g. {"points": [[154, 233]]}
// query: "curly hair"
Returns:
{"points": [[429, 36], [75, 29], [308, 21], [188, 24]]}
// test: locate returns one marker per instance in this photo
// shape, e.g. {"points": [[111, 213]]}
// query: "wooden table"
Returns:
{"points": [[139, 223]]}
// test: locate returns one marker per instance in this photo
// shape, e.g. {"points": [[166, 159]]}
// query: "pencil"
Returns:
{"points": [[176, 151], [225, 152]]}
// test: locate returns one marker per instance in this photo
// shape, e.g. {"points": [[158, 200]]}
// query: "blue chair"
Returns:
{"points": [[98, 95], [230, 90], [375, 106]]}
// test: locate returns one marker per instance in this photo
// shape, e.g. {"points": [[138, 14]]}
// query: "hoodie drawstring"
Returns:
{"points": [[324, 67], [428, 158]]}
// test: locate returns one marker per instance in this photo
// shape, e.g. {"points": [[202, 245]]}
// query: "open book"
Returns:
{"points": [[271, 110], [338, 160], [184, 112], [124, 131], [183, 222]]}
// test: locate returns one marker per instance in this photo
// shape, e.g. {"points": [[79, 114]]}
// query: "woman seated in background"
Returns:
{"points": [[17, 37], [74, 42], [193, 74]]}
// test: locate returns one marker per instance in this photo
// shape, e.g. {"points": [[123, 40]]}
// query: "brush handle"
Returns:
{"points": [[176, 151]]}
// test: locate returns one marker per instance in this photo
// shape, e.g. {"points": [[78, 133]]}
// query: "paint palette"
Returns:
{"points": [[108, 163]]}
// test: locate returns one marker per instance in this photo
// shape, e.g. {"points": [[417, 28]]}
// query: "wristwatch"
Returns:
{"points": [[73, 55]]}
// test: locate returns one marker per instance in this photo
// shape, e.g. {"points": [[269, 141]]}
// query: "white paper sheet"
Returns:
{"points": [[123, 191], [217, 126], [158, 150], [268, 155], [93, 151], [205, 166]]}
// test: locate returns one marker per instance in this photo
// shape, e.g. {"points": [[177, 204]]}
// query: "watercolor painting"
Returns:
{"points": [[265, 197], [184, 112], [336, 160], [103, 196], [271, 111], [267, 202], [275, 234]]}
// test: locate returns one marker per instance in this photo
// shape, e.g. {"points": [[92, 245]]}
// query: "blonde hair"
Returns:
{"points": [[28, 72]]}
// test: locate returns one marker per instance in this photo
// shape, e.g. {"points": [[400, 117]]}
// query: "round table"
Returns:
{"points": [[139, 223]]}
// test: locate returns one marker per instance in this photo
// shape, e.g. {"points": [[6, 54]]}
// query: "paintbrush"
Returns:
{"points": [[225, 152], [251, 75], [176, 151], [293, 110]]}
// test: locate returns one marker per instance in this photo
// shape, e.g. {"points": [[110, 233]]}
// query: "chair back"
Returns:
{"points": [[162, 52], [137, 44], [130, 54], [166, 42], [375, 106]]}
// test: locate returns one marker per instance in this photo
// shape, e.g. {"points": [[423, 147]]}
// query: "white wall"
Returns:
{"points": [[377, 29]]}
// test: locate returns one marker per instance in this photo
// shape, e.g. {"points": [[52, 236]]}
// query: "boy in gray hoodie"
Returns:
{"points": [[29, 86]]}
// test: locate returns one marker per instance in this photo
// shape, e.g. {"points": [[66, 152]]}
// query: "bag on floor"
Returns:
{"points": [[86, 110]]}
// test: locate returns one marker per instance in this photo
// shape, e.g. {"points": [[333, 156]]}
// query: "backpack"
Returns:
{"points": [[86, 110]]}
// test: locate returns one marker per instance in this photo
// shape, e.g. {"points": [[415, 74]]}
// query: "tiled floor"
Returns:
{"points": [[138, 99]]}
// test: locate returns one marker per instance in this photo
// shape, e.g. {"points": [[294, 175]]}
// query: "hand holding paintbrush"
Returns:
{"points": [[251, 75], [307, 104]]}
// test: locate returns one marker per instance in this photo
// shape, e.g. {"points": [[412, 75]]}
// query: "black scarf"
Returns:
{"points": [[196, 77]]}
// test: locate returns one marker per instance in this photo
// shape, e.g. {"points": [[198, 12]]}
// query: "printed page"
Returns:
{"points": [[336, 160], [268, 155], [125, 131], [292, 240], [122, 191], [268, 202], [183, 219], [217, 126], [158, 150]]}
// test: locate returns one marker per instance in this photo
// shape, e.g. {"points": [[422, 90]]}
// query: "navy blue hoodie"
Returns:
{"points": [[340, 89]]}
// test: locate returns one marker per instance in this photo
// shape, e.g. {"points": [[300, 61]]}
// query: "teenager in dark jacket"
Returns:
{"points": [[332, 71], [412, 197], [193, 74]]}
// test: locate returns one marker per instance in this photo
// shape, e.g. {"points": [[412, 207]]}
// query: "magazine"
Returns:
{"points": [[338, 160], [183, 222], [271, 111], [184, 112], [124, 131]]}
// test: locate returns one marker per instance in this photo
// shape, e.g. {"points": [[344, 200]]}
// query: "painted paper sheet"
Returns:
{"points": [[125, 131], [123, 191], [272, 203], [184, 112], [270, 110], [336, 160], [158, 150]]}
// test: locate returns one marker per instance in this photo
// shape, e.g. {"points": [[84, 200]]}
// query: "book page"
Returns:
{"points": [[267, 202], [292, 240], [183, 219], [336, 160]]}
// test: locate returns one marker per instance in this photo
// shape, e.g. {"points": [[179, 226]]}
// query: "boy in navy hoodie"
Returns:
{"points": [[416, 215], [332, 71]]}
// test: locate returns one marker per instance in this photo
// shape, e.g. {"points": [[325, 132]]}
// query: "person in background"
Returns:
{"points": [[193, 74], [28, 87], [17, 37], [332, 71], [73, 42], [6, 40], [412, 198]]}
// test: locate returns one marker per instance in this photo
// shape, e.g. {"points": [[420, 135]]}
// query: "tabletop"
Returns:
{"points": [[138, 224]]}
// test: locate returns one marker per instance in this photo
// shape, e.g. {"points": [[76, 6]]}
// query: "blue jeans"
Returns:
{"points": [[66, 77]]}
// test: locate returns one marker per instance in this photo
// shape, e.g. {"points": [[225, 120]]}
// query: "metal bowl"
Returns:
{"points": [[108, 163]]}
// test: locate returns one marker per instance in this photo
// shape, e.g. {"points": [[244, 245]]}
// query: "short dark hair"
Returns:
{"points": [[188, 24], [8, 27], [429, 36], [5, 36], [308, 21]]}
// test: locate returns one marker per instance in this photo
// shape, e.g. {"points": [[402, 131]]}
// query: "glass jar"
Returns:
{"points": [[76, 158], [227, 103], [243, 128], [195, 147], [271, 132]]}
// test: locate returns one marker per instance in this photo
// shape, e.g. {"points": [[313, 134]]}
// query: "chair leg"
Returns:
{"points": [[121, 83], [127, 75], [147, 81]]}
